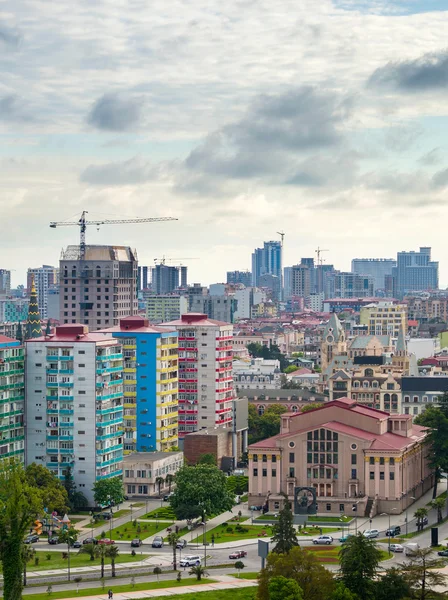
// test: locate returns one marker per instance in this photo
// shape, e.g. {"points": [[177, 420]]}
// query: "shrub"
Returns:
{"points": [[48, 556], [224, 524], [229, 529], [133, 553], [179, 576], [36, 560]]}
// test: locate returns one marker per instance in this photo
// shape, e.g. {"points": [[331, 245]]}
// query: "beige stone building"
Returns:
{"points": [[141, 470], [384, 318], [349, 453]]}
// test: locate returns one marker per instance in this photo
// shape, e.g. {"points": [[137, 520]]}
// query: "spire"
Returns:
{"points": [[34, 328], [333, 328]]}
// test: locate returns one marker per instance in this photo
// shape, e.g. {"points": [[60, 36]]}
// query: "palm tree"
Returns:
{"points": [[438, 504], [173, 538], [102, 553], [160, 481], [199, 571], [169, 481], [419, 514], [112, 552], [90, 549], [28, 553]]}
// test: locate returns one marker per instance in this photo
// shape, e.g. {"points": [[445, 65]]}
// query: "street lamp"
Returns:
{"points": [[205, 538], [355, 510], [389, 536], [407, 507]]}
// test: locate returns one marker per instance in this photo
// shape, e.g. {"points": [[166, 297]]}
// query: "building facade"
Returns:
{"points": [[142, 469], [168, 307], [101, 290], [349, 285], [12, 399], [166, 279], [206, 387], [415, 272], [74, 405], [13, 310], [267, 260], [301, 281], [218, 308], [243, 277], [150, 384], [384, 318], [378, 268], [256, 374], [349, 454], [45, 278], [5, 282]]}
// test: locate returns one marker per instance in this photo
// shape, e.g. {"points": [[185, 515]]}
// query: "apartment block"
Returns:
{"points": [[378, 268], [206, 388], [13, 310], [100, 290], [150, 384], [243, 277], [5, 282], [12, 399], [166, 307], [44, 278], [384, 318], [416, 271], [74, 404]]}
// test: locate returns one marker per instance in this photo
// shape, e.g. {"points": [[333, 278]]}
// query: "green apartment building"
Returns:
{"points": [[12, 399]]}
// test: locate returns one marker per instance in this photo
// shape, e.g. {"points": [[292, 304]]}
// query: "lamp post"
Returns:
{"points": [[389, 536], [342, 521], [355, 510], [407, 507], [205, 538]]}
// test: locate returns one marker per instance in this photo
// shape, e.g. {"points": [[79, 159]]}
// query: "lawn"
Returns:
{"points": [[243, 575], [138, 587], [166, 513], [121, 513], [248, 593], [128, 531], [223, 534], [325, 554], [76, 560], [137, 504]]}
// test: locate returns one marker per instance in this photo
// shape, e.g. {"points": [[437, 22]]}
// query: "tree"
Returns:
{"points": [[239, 565], [438, 504], [110, 490], [290, 369], [102, 553], [200, 489], [271, 352], [392, 586], [342, 593], [169, 481], [284, 535], [20, 504], [313, 406], [313, 579], [420, 573], [159, 482], [173, 538], [266, 425], [419, 514], [28, 553], [48, 487], [90, 549], [157, 571], [359, 558], [112, 552], [76, 499], [282, 588], [207, 459], [199, 571]]}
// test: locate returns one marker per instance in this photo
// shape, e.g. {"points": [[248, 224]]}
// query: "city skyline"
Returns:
{"points": [[178, 110]]}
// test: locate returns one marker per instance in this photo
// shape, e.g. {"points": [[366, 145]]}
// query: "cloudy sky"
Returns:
{"points": [[327, 119]]}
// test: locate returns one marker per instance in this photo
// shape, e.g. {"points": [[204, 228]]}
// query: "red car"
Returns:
{"points": [[106, 541], [238, 554]]}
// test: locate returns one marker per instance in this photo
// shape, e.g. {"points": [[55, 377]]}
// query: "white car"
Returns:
{"points": [[190, 561], [371, 533], [323, 539], [396, 548]]}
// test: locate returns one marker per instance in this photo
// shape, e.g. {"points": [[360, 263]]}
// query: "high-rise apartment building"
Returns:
{"points": [[101, 290], [415, 272], [384, 318], [243, 277], [13, 310], [219, 308], [12, 399], [206, 391], [166, 307], [44, 277], [349, 285], [166, 279], [301, 281], [378, 268], [267, 260], [150, 384], [5, 282], [74, 404], [143, 278]]}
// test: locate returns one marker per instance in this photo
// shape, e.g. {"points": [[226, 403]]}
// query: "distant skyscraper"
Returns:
{"points": [[300, 281], [378, 268], [267, 260], [143, 278], [350, 285], [44, 277], [5, 282], [167, 279], [416, 272], [243, 277]]}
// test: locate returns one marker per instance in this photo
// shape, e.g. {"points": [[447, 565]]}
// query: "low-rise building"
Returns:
{"points": [[256, 374], [419, 392], [166, 307], [141, 471], [349, 454], [384, 318], [293, 400]]}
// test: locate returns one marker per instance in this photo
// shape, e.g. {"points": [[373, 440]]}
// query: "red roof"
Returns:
{"points": [[303, 371], [137, 324], [196, 320], [412, 323], [74, 332], [6, 340]]}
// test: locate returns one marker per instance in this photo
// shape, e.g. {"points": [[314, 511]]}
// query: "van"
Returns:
{"points": [[411, 549], [190, 561]]}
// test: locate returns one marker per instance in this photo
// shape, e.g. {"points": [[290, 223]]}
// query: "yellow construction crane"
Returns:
{"points": [[319, 251], [82, 224]]}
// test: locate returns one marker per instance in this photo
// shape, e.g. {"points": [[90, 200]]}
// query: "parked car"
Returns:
{"points": [[76, 544], [344, 538], [157, 542], [411, 549], [136, 543], [323, 539], [31, 539], [396, 548], [260, 507], [238, 554], [443, 553], [371, 533], [393, 531], [53, 540], [181, 544], [190, 561], [90, 540], [106, 541], [423, 521], [107, 516]]}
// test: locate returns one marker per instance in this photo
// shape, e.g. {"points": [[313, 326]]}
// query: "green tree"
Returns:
{"points": [[266, 425], [20, 504], [282, 588], [290, 369], [173, 538], [421, 573], [102, 553], [392, 586], [271, 352], [198, 571], [47, 486], [419, 514], [284, 535], [90, 549], [313, 406], [169, 481], [201, 488], [438, 504], [342, 593], [107, 490], [359, 558], [76, 499], [28, 553], [159, 482], [112, 552], [239, 565], [207, 459], [157, 571], [313, 579]]}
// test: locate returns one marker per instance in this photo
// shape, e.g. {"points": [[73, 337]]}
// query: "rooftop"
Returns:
{"points": [[196, 320], [74, 332], [148, 456], [123, 253], [136, 324], [6, 340]]}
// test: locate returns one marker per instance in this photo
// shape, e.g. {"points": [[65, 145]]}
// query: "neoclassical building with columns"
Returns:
{"points": [[350, 453]]}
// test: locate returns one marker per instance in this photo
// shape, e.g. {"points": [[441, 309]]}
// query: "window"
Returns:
{"points": [[371, 460], [274, 472], [382, 475], [265, 472], [81, 432], [353, 459], [341, 508], [391, 475], [354, 474], [291, 457], [274, 458], [328, 506], [372, 475], [381, 460], [255, 472], [392, 461], [291, 472], [390, 386]]}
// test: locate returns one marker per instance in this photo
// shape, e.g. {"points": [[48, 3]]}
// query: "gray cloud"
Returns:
{"points": [[431, 158], [114, 112], [9, 37], [440, 179], [429, 72], [12, 108], [129, 172]]}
